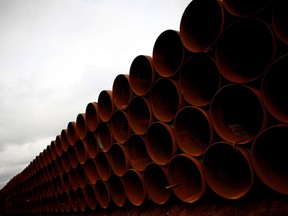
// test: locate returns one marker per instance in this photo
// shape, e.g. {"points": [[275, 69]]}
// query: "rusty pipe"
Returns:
{"points": [[186, 178], [245, 8], [81, 125], [269, 157], [82, 204], [168, 53], [199, 79], [102, 194], [134, 187], [53, 150], [106, 105], [121, 91], [92, 116], [64, 140], [244, 59], [119, 159], [65, 182], [117, 190], [156, 182], [66, 161], [142, 75], [137, 153], [72, 157], [91, 144], [201, 25], [237, 113], [279, 20], [91, 170], [160, 142], [165, 99], [59, 149], [274, 89], [104, 136], [103, 165], [74, 182], [139, 114], [72, 133], [81, 151], [193, 131], [120, 127], [90, 196], [73, 199], [81, 175], [228, 170]]}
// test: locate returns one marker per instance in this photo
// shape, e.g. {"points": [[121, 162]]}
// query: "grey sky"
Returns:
{"points": [[57, 55]]}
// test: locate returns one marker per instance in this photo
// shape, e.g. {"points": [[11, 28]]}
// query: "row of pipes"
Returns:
{"points": [[208, 109]]}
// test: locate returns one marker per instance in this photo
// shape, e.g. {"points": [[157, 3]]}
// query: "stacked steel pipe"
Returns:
{"points": [[209, 109]]}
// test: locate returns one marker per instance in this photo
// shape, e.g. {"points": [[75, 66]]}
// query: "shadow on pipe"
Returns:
{"points": [[193, 131], [134, 187], [122, 92], [92, 116], [243, 59], [106, 105], [103, 166], [201, 24], [228, 170], [120, 126], [142, 75], [156, 183], [102, 194], [91, 144], [139, 114], [166, 99], [168, 53], [237, 113], [119, 159], [81, 125], [104, 136], [199, 80], [186, 178], [269, 157], [160, 142], [117, 190], [274, 89]]}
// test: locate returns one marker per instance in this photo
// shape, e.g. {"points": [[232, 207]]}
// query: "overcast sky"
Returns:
{"points": [[56, 56]]}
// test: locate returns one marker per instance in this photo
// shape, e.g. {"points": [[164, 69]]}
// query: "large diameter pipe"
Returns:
{"points": [[103, 165], [53, 149], [119, 159], [280, 20], [166, 99], [168, 53], [237, 113], [137, 153], [186, 178], [64, 140], [73, 178], [92, 116], [201, 24], [156, 183], [59, 149], [243, 59], [142, 75], [66, 161], [245, 8], [82, 204], [120, 127], [199, 79], [102, 194], [91, 144], [81, 125], [106, 105], [160, 142], [72, 132], [134, 187], [117, 190], [90, 196], [139, 114], [269, 157], [121, 91], [73, 199], [91, 170], [81, 151], [81, 176], [193, 131], [104, 136], [72, 157], [228, 170], [274, 89]]}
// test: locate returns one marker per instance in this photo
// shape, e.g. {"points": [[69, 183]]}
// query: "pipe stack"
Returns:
{"points": [[208, 109]]}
